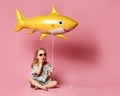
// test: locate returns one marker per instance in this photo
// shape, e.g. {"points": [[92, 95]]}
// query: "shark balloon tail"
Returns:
{"points": [[20, 21]]}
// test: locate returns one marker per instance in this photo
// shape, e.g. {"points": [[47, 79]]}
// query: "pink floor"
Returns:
{"points": [[63, 90]]}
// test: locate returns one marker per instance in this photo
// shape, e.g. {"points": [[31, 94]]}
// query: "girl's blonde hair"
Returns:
{"points": [[35, 60]]}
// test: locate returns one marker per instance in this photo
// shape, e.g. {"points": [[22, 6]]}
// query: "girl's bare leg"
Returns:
{"points": [[51, 84], [36, 84]]}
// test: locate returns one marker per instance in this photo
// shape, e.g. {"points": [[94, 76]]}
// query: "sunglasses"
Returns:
{"points": [[43, 54]]}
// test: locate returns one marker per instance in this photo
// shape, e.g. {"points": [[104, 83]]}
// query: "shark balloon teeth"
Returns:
{"points": [[50, 24]]}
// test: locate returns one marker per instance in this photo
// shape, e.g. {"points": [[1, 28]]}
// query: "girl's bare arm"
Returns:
{"points": [[38, 71]]}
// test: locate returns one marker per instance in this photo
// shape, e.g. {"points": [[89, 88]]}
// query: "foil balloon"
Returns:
{"points": [[50, 24]]}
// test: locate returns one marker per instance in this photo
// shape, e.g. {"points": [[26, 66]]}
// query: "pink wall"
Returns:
{"points": [[90, 56]]}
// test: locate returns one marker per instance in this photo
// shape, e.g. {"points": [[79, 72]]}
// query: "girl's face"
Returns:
{"points": [[42, 55]]}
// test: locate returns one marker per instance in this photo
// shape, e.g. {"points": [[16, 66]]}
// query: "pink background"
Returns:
{"points": [[87, 64]]}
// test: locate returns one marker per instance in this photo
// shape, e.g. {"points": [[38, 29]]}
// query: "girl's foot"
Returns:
{"points": [[35, 88], [45, 88], [32, 86]]}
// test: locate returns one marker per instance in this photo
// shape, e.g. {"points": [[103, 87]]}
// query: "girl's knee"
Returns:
{"points": [[30, 79], [55, 82]]}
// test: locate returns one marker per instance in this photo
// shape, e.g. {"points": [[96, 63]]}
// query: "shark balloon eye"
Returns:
{"points": [[60, 22]]}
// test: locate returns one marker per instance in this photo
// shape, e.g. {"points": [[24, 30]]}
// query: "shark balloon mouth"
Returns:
{"points": [[59, 30], [66, 30]]}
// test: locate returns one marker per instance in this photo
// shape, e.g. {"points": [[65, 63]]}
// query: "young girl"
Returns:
{"points": [[41, 71]]}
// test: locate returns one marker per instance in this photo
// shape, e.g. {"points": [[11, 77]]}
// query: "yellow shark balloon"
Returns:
{"points": [[51, 24]]}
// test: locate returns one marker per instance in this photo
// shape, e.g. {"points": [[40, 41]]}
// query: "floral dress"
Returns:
{"points": [[43, 78]]}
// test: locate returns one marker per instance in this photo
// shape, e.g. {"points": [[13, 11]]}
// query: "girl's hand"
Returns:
{"points": [[49, 74], [52, 69], [38, 71], [40, 62]]}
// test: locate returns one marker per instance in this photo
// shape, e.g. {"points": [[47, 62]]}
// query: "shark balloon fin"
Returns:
{"points": [[20, 20], [61, 36], [44, 35], [54, 11]]}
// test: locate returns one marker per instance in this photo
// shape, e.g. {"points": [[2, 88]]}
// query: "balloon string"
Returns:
{"points": [[53, 53], [53, 50]]}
